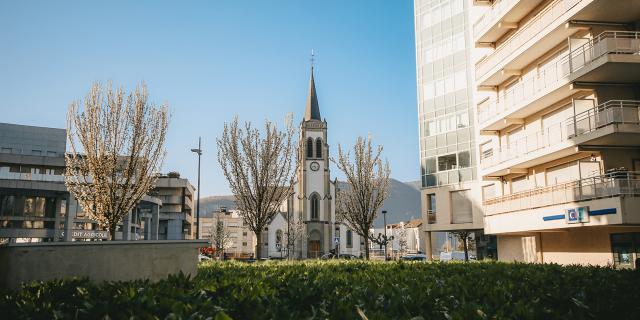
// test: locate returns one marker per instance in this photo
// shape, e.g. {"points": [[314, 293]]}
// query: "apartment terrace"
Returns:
{"points": [[589, 62], [539, 35], [500, 17], [614, 184], [559, 140]]}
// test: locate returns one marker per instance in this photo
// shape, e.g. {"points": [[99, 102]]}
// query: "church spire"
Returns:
{"points": [[313, 109]]}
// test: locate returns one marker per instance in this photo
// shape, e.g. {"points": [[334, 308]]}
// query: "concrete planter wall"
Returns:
{"points": [[99, 261]]}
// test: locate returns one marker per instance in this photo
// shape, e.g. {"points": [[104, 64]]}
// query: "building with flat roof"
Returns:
{"points": [[35, 205], [451, 187], [558, 112]]}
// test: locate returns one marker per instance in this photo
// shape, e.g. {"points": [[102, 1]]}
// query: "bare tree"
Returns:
{"points": [[357, 205], [296, 231], [220, 237], [403, 243], [260, 169], [466, 241], [116, 151]]}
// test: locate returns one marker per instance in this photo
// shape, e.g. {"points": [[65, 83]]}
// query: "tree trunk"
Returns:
{"points": [[258, 245], [366, 248], [112, 231], [466, 249]]}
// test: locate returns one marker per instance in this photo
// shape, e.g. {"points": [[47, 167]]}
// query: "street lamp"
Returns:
{"points": [[199, 152], [383, 240], [384, 218]]}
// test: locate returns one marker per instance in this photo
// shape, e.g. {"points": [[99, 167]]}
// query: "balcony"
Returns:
{"points": [[612, 56], [616, 122], [539, 35], [608, 185], [431, 217], [502, 16], [527, 97]]}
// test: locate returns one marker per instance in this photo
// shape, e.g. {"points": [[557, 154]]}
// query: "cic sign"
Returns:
{"points": [[577, 215], [88, 234]]}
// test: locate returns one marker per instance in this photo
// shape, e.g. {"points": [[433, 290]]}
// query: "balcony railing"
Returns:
{"points": [[431, 217], [608, 185], [496, 10], [524, 146], [529, 31], [610, 112], [30, 176], [607, 42], [524, 92]]}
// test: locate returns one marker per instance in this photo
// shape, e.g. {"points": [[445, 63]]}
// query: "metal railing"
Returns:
{"points": [[522, 147], [525, 34], [607, 185], [610, 112], [522, 93], [496, 11], [30, 176], [431, 217], [607, 42]]}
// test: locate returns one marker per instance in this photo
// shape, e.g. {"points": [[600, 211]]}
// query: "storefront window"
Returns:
{"points": [[625, 248]]}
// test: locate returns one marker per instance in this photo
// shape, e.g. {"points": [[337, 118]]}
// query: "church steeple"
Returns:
{"points": [[313, 110]]}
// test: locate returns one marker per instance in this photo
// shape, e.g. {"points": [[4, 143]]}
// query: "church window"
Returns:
{"points": [[319, 148], [279, 240], [315, 207], [310, 148], [349, 239]]}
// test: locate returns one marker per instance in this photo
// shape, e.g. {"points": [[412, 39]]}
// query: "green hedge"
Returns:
{"points": [[342, 290]]}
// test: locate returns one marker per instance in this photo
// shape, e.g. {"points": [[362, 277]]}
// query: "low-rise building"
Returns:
{"points": [[241, 239]]}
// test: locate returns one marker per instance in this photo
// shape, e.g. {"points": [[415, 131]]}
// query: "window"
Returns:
{"points": [[447, 162], [464, 159], [29, 206], [431, 208], [39, 207], [319, 148], [489, 192], [310, 148], [519, 184], [349, 239], [6, 150], [7, 205], [244, 233], [244, 244], [36, 152], [315, 207], [461, 207], [431, 165]]}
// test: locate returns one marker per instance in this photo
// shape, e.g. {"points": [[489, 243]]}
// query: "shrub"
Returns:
{"points": [[340, 290]]}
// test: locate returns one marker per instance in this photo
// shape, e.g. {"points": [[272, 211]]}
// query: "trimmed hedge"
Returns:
{"points": [[344, 290]]}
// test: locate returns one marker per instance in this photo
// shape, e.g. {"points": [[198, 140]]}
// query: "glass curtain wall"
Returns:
{"points": [[444, 76]]}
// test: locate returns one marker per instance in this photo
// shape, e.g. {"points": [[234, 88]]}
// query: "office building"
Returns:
{"points": [[558, 101], [241, 240]]}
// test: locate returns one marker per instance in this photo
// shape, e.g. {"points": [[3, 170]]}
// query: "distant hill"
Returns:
{"points": [[403, 203]]}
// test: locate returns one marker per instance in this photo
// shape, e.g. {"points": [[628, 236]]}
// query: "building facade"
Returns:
{"points": [[451, 187], [176, 213], [35, 205], [241, 238], [313, 200], [558, 108]]}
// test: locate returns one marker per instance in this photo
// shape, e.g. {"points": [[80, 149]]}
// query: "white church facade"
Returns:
{"points": [[313, 200]]}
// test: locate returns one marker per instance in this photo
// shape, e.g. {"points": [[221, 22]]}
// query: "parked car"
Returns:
{"points": [[414, 257], [344, 256], [202, 257], [455, 256]]}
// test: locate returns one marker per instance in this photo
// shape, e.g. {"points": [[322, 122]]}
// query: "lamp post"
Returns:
{"points": [[384, 218], [199, 152]]}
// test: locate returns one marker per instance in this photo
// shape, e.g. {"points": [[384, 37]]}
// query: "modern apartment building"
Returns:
{"points": [[176, 213], [35, 205], [448, 155], [241, 238], [558, 101]]}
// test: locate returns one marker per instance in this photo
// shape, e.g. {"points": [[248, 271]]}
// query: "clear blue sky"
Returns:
{"points": [[211, 60]]}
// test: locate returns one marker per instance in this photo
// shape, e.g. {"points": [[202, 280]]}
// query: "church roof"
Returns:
{"points": [[313, 109]]}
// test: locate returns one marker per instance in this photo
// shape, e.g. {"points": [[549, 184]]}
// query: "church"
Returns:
{"points": [[313, 200]]}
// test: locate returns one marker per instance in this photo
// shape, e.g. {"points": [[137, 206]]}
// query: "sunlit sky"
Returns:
{"points": [[212, 60]]}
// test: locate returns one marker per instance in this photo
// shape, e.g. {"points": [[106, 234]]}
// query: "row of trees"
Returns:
{"points": [[117, 150]]}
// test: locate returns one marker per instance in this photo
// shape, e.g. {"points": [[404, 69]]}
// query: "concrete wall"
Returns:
{"points": [[99, 261]]}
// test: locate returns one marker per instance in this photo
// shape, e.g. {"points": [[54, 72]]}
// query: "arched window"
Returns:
{"points": [[279, 240], [310, 148], [315, 207], [319, 148], [349, 239]]}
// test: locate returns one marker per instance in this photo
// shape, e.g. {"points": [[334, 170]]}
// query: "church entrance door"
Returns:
{"points": [[314, 249]]}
